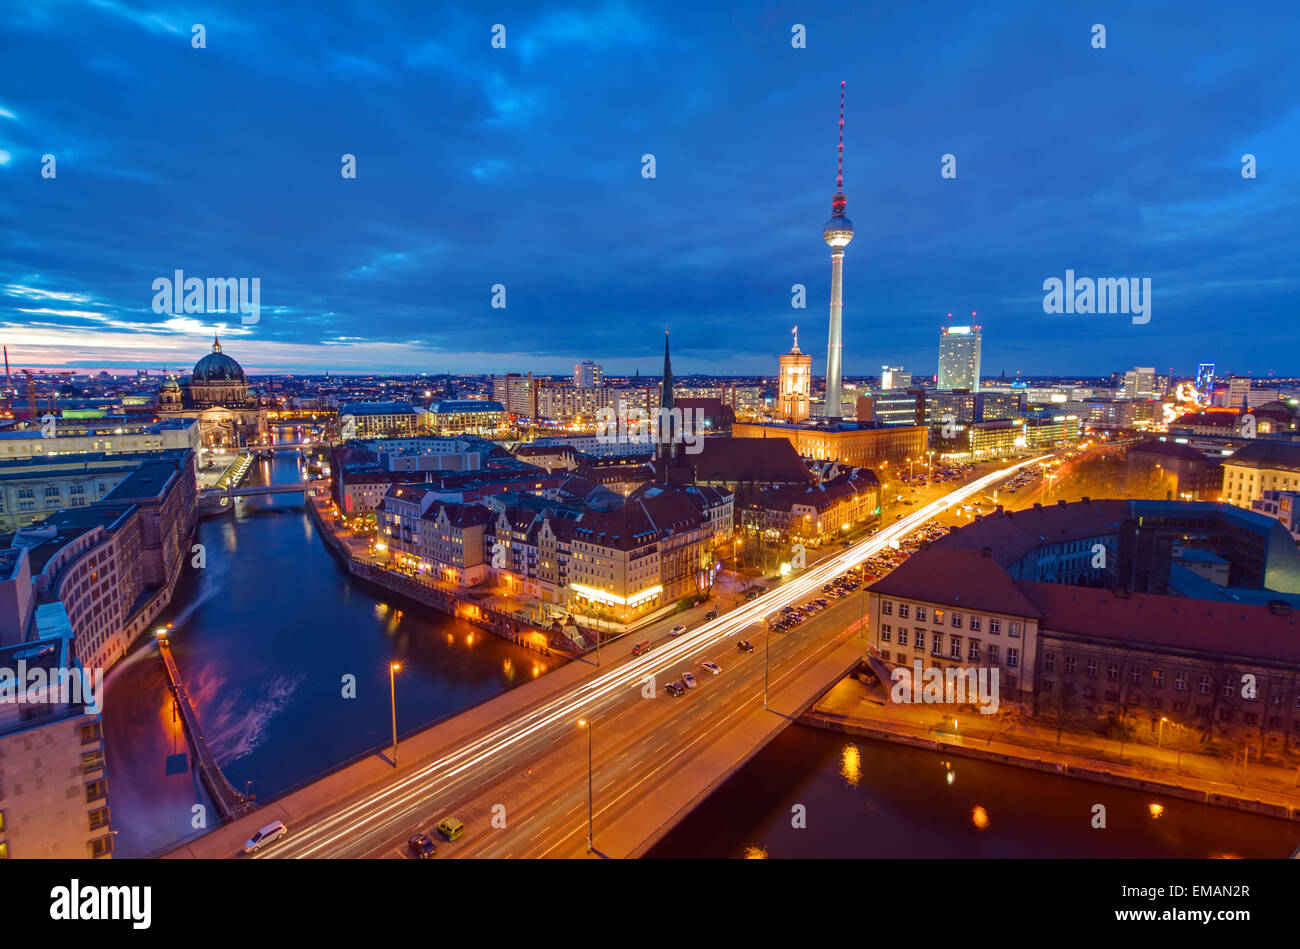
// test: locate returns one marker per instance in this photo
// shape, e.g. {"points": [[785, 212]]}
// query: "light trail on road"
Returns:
{"points": [[340, 828]]}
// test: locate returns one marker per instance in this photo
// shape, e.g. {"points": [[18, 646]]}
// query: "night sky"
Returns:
{"points": [[522, 166]]}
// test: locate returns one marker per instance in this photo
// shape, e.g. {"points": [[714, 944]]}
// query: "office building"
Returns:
{"points": [[959, 358], [588, 375]]}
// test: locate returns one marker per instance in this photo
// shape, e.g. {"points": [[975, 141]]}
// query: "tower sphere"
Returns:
{"points": [[838, 231]]}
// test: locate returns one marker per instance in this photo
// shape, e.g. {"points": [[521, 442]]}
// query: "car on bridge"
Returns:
{"points": [[744, 645], [450, 828], [711, 614], [641, 648], [422, 846], [674, 689], [677, 630], [713, 667], [688, 680], [267, 835]]}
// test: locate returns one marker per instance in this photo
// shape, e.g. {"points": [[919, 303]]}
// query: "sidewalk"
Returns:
{"points": [[861, 709]]}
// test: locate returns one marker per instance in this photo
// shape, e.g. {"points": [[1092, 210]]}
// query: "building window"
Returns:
{"points": [[885, 633], [902, 611], [902, 635], [936, 644], [956, 621], [1112, 671], [887, 607], [993, 653], [1157, 678], [96, 789], [92, 733], [1135, 675], [973, 654], [92, 761], [1049, 662], [918, 644], [99, 818], [1070, 663], [1013, 657], [1180, 706], [101, 846], [1013, 628], [1180, 681], [1205, 686], [938, 617], [1227, 689], [954, 647], [995, 626]]}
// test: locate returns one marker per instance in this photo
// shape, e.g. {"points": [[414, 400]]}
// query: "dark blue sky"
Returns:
{"points": [[522, 166]]}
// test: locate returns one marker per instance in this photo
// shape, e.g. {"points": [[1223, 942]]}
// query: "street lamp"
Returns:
{"points": [[587, 725], [1160, 733], [393, 669]]}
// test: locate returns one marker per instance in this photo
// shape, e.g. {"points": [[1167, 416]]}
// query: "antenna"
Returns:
{"points": [[839, 171]]}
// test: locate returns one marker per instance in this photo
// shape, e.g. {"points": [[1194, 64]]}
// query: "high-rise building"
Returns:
{"points": [[1140, 383], [893, 377], [1204, 382], [837, 233], [959, 358], [1238, 392], [588, 374], [794, 390]]}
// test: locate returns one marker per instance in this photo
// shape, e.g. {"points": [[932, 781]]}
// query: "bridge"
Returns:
{"points": [[229, 802], [607, 748], [256, 490]]}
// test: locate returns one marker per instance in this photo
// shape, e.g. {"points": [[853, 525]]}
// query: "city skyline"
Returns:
{"points": [[511, 180]]}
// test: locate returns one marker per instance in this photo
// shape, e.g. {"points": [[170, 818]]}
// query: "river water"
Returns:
{"points": [[264, 636]]}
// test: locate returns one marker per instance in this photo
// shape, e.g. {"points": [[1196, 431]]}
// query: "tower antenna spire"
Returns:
{"points": [[839, 168]]}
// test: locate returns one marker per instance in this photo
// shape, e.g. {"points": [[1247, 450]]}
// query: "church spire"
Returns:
{"points": [[666, 394], [216, 344]]}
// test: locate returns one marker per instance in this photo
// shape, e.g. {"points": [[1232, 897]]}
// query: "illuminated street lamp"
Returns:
{"points": [[393, 669], [587, 725], [1160, 734]]}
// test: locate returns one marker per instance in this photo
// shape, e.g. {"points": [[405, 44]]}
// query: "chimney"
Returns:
{"points": [[1038, 506], [1087, 500], [986, 552], [1060, 502]]}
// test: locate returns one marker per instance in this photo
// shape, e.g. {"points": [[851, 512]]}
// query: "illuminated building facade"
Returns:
{"points": [[794, 390], [959, 358]]}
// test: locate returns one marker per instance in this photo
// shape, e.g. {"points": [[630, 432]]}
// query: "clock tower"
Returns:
{"points": [[794, 389]]}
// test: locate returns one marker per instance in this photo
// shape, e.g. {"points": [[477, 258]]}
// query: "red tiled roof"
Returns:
{"points": [[958, 579], [1167, 622]]}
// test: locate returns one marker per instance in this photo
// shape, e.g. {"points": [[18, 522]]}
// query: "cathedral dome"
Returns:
{"points": [[217, 367]]}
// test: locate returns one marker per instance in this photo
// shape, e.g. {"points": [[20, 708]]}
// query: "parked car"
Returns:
{"points": [[744, 645], [688, 680], [642, 647], [713, 667], [422, 846], [677, 630], [267, 835], [711, 614]]}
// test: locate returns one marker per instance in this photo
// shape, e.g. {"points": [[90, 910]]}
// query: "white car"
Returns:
{"points": [[268, 834], [688, 680], [713, 667], [677, 630]]}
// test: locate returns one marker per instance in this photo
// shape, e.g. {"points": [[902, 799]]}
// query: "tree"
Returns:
{"points": [[1063, 706]]}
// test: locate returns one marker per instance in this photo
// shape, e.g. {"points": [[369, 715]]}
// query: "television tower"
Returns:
{"points": [[837, 232]]}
